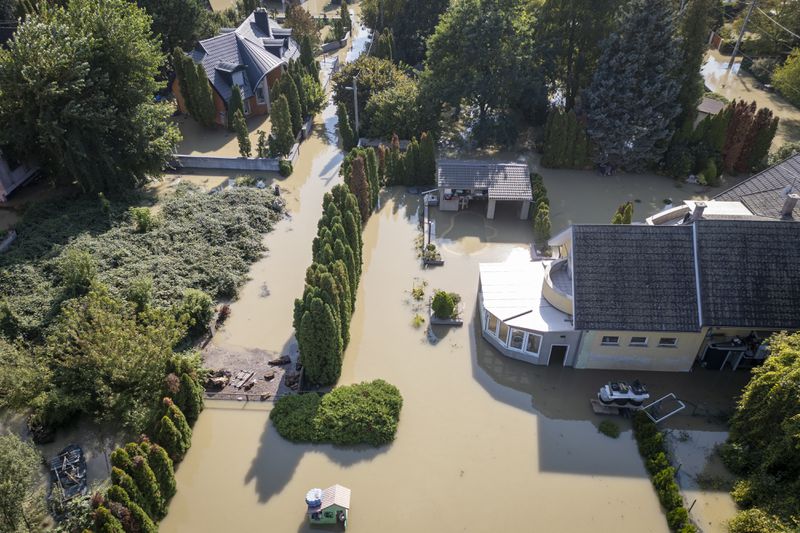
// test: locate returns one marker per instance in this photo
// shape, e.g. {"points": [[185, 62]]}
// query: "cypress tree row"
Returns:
{"points": [[345, 130], [205, 111], [322, 315], [145, 479], [105, 522], [372, 176], [289, 89], [415, 166], [189, 397]]}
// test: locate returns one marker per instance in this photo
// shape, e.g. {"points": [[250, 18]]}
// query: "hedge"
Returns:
{"points": [[651, 446], [365, 413]]}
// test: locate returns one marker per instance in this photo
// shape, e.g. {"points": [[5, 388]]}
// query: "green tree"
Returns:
{"points": [[320, 344], [383, 46], [140, 518], [105, 522], [169, 437], [195, 310], [359, 186], [162, 467], [693, 27], [86, 113], [739, 127], [568, 36], [190, 398], [427, 157], [20, 470], [759, 139], [785, 151], [242, 135], [140, 292], [304, 26], [541, 224], [110, 360], [281, 139], [396, 110], [374, 76], [289, 89], [179, 420], [307, 57], [262, 147], [154, 503], [372, 176], [410, 22], [630, 104], [297, 72], [235, 104], [123, 480], [25, 375], [787, 77], [764, 429], [177, 22], [345, 131], [205, 110], [344, 14]]}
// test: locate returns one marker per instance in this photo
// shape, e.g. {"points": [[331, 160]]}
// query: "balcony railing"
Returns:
{"points": [[557, 287]]}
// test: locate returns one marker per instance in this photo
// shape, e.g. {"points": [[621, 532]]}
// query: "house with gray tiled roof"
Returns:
{"points": [[704, 284], [252, 56], [461, 182]]}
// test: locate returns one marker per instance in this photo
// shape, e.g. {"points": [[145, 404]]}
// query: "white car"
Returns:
{"points": [[622, 394]]}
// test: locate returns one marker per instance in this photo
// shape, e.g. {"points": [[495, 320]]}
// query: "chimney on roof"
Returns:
{"points": [[262, 20], [699, 209], [789, 204]]}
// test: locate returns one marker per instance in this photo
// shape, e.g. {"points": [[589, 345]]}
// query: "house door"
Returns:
{"points": [[558, 354]]}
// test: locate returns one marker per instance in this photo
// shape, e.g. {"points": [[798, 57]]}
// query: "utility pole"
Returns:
{"points": [[741, 33]]}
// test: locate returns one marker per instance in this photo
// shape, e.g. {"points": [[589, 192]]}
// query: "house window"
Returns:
{"points": [[517, 338], [503, 333], [246, 106], [638, 341], [491, 323], [328, 514], [668, 342], [260, 93], [533, 344], [610, 340]]}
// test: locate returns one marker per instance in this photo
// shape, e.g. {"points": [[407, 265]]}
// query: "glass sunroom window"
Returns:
{"points": [[491, 323], [517, 338], [533, 344], [502, 334]]}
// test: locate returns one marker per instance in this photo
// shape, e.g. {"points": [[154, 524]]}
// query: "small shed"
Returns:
{"points": [[708, 107], [463, 181], [329, 506]]}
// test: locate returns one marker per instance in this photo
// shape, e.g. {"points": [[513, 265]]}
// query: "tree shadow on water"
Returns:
{"points": [[277, 459]]}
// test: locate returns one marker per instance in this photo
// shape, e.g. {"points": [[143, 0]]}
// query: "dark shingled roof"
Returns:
{"points": [[504, 181], [639, 278], [749, 273], [764, 194], [243, 48]]}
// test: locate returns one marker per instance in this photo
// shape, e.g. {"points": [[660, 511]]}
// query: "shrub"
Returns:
{"points": [[196, 309], [756, 521], [688, 528], [143, 219], [657, 463], [743, 494], [285, 168], [365, 413], [443, 305], [711, 174], [651, 446], [609, 429], [677, 518], [190, 398], [293, 415], [105, 522], [670, 496], [78, 270]]}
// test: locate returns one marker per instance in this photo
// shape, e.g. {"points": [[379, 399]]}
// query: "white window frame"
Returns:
{"points": [[638, 343], [673, 344], [525, 344], [604, 342], [524, 338]]}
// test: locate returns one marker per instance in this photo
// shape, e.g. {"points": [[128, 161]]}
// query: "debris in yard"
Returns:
{"points": [[280, 361], [269, 375]]}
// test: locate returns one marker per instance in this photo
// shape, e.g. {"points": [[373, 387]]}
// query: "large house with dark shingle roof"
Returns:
{"points": [[703, 283], [252, 56]]}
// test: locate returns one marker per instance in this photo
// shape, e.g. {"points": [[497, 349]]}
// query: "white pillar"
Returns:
{"points": [[490, 209], [523, 212]]}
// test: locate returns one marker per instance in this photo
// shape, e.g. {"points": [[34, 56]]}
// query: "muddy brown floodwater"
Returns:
{"points": [[485, 443]]}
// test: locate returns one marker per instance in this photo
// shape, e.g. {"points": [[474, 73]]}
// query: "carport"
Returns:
{"points": [[462, 181]]}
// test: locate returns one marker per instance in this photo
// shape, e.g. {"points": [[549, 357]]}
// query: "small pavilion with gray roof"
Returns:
{"points": [[463, 181]]}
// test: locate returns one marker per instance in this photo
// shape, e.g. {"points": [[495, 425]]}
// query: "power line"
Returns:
{"points": [[779, 24]]}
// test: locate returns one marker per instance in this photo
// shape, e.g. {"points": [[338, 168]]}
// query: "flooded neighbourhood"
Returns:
{"points": [[485, 442]]}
